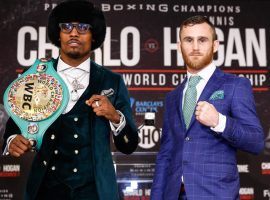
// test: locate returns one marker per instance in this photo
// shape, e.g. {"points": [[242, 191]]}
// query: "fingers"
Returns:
{"points": [[19, 145], [206, 114], [201, 107], [94, 98], [102, 107]]}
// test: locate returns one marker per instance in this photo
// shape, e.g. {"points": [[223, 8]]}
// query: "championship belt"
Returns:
{"points": [[36, 99]]}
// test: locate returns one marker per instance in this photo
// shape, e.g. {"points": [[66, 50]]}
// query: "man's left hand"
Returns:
{"points": [[206, 114], [103, 107]]}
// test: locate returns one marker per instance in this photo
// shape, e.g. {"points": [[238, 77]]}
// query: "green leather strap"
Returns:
{"points": [[36, 99]]}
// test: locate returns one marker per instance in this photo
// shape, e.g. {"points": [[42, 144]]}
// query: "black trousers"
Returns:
{"points": [[62, 191]]}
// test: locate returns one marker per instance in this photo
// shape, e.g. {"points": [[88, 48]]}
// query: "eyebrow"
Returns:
{"points": [[199, 37]]}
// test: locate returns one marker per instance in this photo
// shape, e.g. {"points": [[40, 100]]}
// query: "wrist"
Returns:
{"points": [[216, 121], [116, 118]]}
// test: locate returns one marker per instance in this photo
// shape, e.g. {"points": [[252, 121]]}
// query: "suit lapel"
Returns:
{"points": [[213, 84], [96, 78], [179, 103]]}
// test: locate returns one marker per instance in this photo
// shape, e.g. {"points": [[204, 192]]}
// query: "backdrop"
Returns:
{"points": [[141, 45]]}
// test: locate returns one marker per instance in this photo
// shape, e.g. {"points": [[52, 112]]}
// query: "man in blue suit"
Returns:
{"points": [[75, 161], [207, 119]]}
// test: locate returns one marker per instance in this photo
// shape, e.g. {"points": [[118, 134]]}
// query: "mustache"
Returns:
{"points": [[195, 53]]}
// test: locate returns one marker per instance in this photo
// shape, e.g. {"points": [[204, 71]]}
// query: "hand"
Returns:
{"points": [[206, 114], [103, 107], [19, 145]]}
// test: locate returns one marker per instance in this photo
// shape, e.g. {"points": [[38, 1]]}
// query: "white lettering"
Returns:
{"points": [[265, 165], [259, 47], [23, 31], [135, 58], [234, 40], [169, 47], [245, 191]]}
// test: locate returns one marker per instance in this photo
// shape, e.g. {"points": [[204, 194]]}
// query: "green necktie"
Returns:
{"points": [[190, 99]]}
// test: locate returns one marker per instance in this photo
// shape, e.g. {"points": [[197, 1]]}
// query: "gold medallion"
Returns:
{"points": [[35, 97]]}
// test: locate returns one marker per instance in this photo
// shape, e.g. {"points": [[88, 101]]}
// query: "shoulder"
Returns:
{"points": [[235, 80], [106, 71]]}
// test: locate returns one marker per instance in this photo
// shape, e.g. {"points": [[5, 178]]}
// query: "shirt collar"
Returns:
{"points": [[205, 73], [84, 66]]}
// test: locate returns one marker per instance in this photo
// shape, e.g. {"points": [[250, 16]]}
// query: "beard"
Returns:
{"points": [[199, 62], [73, 55], [76, 54]]}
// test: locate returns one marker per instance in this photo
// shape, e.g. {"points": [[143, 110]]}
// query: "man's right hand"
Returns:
{"points": [[19, 145]]}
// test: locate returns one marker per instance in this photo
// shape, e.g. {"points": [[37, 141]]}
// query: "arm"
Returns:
{"points": [[243, 129], [14, 142], [163, 159], [126, 139]]}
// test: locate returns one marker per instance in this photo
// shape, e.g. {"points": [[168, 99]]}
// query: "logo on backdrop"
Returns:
{"points": [[265, 168], [247, 193], [149, 137], [142, 107], [243, 168]]}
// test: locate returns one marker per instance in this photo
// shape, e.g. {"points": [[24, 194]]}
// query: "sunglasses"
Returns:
{"points": [[81, 28]]}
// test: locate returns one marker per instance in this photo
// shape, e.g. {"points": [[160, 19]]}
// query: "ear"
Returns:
{"points": [[179, 47], [216, 45]]}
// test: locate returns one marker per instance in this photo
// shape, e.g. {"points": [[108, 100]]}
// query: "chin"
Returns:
{"points": [[74, 55]]}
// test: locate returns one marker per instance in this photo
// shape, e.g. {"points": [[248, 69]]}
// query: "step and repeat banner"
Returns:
{"points": [[141, 44]]}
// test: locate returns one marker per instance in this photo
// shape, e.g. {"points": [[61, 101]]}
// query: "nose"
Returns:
{"points": [[74, 31], [195, 45]]}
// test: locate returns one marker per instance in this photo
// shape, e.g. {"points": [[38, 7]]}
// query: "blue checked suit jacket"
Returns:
{"points": [[206, 159]]}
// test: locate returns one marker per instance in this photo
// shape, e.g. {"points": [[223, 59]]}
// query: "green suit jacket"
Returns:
{"points": [[126, 141]]}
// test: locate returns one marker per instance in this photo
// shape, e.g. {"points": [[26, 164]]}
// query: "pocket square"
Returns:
{"points": [[107, 93], [219, 94]]}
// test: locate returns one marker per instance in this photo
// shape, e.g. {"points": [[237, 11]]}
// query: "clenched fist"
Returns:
{"points": [[206, 114], [19, 145], [103, 107]]}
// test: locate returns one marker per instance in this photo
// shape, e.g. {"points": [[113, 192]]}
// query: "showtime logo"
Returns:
{"points": [[246, 193], [265, 168]]}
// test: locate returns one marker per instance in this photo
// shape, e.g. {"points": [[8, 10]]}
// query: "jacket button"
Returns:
{"points": [[75, 135], [75, 170], [55, 152], [44, 162], [76, 151], [76, 119], [52, 136], [53, 168], [187, 138]]}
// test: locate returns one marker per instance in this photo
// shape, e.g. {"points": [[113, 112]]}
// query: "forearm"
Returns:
{"points": [[246, 137]]}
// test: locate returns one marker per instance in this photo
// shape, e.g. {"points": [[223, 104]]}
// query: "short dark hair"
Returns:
{"points": [[198, 19]]}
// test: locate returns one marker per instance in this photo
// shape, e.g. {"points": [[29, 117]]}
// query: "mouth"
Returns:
{"points": [[74, 43], [195, 54]]}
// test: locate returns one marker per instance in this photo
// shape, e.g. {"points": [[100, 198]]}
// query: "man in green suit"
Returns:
{"points": [[74, 161]]}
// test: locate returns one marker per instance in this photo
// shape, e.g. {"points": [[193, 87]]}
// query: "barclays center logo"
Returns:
{"points": [[141, 107]]}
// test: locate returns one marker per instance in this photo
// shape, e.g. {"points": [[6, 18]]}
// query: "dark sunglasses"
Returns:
{"points": [[82, 28]]}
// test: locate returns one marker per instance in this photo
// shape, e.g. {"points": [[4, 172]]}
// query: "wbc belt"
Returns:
{"points": [[36, 99]]}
